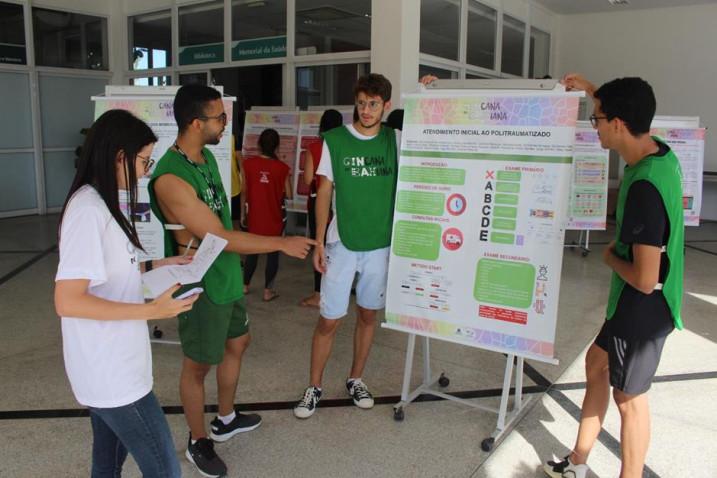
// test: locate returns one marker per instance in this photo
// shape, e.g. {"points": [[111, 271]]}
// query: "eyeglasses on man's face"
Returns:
{"points": [[372, 105], [595, 119], [220, 117], [147, 163]]}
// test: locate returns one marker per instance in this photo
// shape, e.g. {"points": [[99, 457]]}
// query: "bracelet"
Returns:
{"points": [[148, 265]]}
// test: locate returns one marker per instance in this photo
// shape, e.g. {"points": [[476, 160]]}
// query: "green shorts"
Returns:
{"points": [[205, 329]]}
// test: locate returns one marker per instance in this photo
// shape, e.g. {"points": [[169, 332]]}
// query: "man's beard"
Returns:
{"points": [[213, 139]]}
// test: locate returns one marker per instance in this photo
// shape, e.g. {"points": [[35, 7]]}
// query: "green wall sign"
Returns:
{"points": [[197, 54], [267, 47]]}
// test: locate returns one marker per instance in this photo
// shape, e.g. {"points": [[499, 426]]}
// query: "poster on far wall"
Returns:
{"points": [[588, 188], [689, 147], [309, 134]]}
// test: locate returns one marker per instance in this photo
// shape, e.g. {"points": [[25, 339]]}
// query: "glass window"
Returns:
{"points": [[471, 76], [70, 40], [482, 26], [201, 33], [438, 72], [258, 29], [199, 78], [328, 85], [150, 40], [12, 34], [513, 39], [330, 27], [440, 27], [252, 86], [539, 64], [151, 81]]}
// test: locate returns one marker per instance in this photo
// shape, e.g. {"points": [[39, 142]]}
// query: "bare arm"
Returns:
{"points": [[323, 204], [287, 187], [179, 203], [73, 300], [643, 273], [575, 81], [309, 168]]}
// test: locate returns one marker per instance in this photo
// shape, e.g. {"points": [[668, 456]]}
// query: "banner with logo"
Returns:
{"points": [[481, 204]]}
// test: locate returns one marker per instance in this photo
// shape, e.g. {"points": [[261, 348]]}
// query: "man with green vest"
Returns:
{"points": [[187, 195], [647, 260], [359, 167]]}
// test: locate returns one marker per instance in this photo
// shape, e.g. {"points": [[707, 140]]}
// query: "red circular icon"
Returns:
{"points": [[452, 239], [456, 204]]}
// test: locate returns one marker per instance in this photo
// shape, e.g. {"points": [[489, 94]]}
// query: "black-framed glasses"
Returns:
{"points": [[594, 119], [221, 117], [372, 105], [147, 163]]}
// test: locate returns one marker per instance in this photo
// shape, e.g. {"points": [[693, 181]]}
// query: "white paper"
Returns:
{"points": [[159, 280]]}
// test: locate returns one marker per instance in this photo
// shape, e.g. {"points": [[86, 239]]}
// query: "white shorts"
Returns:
{"points": [[341, 267]]}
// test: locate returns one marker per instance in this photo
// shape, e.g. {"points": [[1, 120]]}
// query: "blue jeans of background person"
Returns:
{"points": [[139, 428]]}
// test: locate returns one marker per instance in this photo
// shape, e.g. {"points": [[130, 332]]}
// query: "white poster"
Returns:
{"points": [[688, 145], [478, 229], [158, 113], [588, 188]]}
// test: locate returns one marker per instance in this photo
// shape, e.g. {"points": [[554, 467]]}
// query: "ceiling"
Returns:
{"points": [[592, 6]]}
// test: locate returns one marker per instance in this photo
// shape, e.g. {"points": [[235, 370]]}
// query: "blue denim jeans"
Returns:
{"points": [[139, 428]]}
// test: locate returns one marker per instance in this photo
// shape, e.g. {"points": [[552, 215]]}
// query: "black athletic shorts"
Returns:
{"points": [[632, 362]]}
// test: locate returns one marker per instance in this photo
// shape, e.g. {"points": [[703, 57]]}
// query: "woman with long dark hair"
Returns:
{"points": [[330, 119], [267, 184], [98, 295]]}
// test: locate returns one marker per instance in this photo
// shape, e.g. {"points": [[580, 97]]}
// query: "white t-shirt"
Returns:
{"points": [[326, 169], [108, 362]]}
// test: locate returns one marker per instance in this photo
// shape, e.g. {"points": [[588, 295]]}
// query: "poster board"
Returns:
{"points": [[588, 187], [482, 195], [688, 144], [154, 105]]}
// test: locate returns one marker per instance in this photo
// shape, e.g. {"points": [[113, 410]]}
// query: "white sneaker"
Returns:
{"points": [[359, 392], [565, 469], [307, 405]]}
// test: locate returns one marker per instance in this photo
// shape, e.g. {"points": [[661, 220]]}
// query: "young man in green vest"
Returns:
{"points": [[186, 191], [647, 259], [359, 167]]}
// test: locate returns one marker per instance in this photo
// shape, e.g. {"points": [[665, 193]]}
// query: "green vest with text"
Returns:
{"points": [[223, 282], [665, 174], [365, 184]]}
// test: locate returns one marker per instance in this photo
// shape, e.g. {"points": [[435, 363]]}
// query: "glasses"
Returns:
{"points": [[594, 119], [146, 163], [372, 105], [222, 117]]}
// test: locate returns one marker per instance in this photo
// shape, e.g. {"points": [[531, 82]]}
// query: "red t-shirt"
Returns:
{"points": [[265, 180], [315, 150]]}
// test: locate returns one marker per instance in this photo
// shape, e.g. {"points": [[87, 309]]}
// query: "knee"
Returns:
{"points": [[327, 327], [366, 317], [196, 371], [625, 402]]}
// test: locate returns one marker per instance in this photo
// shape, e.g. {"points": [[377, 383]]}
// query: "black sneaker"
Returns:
{"points": [[201, 454], [241, 423], [307, 405], [359, 392]]}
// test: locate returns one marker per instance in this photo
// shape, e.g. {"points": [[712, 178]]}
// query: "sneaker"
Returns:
{"points": [[201, 454], [359, 392], [241, 423], [307, 405], [565, 469]]}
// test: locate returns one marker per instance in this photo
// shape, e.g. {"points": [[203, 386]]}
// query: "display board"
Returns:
{"points": [[588, 187], [482, 196], [688, 145], [154, 105]]}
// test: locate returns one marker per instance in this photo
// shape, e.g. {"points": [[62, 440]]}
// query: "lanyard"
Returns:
{"points": [[215, 202]]}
